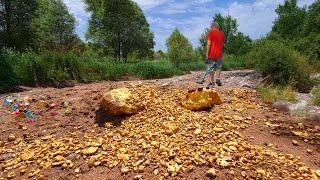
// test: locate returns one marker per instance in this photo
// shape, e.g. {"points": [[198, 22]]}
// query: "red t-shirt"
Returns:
{"points": [[217, 42]]}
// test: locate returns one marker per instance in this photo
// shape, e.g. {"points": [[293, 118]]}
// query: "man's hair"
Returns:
{"points": [[214, 24]]}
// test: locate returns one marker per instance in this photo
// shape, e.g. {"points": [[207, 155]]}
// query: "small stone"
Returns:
{"points": [[12, 137], [141, 168], [11, 175], [233, 148], [124, 170], [310, 151], [197, 131], [261, 171], [222, 162], [211, 173], [123, 157], [218, 130], [294, 142], [27, 155], [137, 177], [77, 170], [156, 172], [90, 151], [317, 173]]}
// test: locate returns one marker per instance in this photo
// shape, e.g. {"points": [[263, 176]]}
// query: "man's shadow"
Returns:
{"points": [[103, 117]]}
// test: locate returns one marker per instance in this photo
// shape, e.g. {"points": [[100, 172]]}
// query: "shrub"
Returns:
{"points": [[310, 46], [282, 64]]}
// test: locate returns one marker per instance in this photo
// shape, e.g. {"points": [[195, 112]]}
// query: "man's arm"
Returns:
{"points": [[208, 49]]}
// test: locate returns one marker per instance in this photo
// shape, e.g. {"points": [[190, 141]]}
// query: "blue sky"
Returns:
{"points": [[255, 17]]}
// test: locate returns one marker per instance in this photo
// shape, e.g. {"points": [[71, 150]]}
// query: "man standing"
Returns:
{"points": [[214, 54]]}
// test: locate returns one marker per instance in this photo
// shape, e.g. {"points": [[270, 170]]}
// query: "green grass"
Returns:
{"points": [[273, 94], [231, 62], [57, 69], [316, 96]]}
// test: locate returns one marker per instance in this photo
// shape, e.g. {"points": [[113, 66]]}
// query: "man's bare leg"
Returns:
{"points": [[218, 75], [212, 78]]}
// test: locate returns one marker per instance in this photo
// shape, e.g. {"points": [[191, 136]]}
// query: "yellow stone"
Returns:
{"points": [[201, 99], [90, 151], [261, 171], [27, 155], [123, 157]]}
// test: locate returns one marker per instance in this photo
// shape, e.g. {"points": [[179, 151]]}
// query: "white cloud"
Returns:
{"points": [[149, 4]]}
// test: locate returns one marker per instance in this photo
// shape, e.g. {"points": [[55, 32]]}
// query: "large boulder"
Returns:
{"points": [[201, 99], [127, 101]]}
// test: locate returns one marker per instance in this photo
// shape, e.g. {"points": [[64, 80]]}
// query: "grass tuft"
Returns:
{"points": [[273, 94]]}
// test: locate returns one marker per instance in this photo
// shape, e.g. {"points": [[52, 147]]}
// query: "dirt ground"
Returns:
{"points": [[266, 127]]}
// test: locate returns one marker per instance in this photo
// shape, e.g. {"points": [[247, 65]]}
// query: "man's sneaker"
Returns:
{"points": [[200, 81], [211, 85], [218, 82]]}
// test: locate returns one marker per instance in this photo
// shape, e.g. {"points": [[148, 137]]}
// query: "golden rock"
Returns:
{"points": [[124, 101], [33, 172], [197, 131], [201, 99], [11, 175], [261, 171], [222, 162], [12, 137], [218, 130], [310, 151], [211, 173], [125, 170], [294, 142], [90, 151], [27, 155], [317, 173], [123, 157], [137, 177]]}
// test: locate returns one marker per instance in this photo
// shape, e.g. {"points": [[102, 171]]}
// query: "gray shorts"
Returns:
{"points": [[213, 65]]}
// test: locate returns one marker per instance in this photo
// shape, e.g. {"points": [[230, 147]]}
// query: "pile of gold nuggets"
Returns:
{"points": [[162, 135]]}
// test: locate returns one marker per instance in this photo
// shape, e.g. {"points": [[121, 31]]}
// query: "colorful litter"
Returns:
{"points": [[20, 108]]}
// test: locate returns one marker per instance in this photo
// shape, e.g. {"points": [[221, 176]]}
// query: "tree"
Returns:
{"points": [[227, 24], [238, 44], [312, 24], [290, 21], [15, 23], [179, 48], [55, 26], [120, 27]]}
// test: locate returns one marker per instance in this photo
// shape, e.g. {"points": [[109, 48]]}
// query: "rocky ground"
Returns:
{"points": [[241, 139]]}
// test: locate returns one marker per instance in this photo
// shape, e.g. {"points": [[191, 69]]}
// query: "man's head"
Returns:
{"points": [[215, 25]]}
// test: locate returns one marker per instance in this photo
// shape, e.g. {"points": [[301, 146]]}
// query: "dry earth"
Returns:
{"points": [[254, 141]]}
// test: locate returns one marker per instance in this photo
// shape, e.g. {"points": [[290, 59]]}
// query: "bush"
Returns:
{"points": [[282, 64], [310, 46]]}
